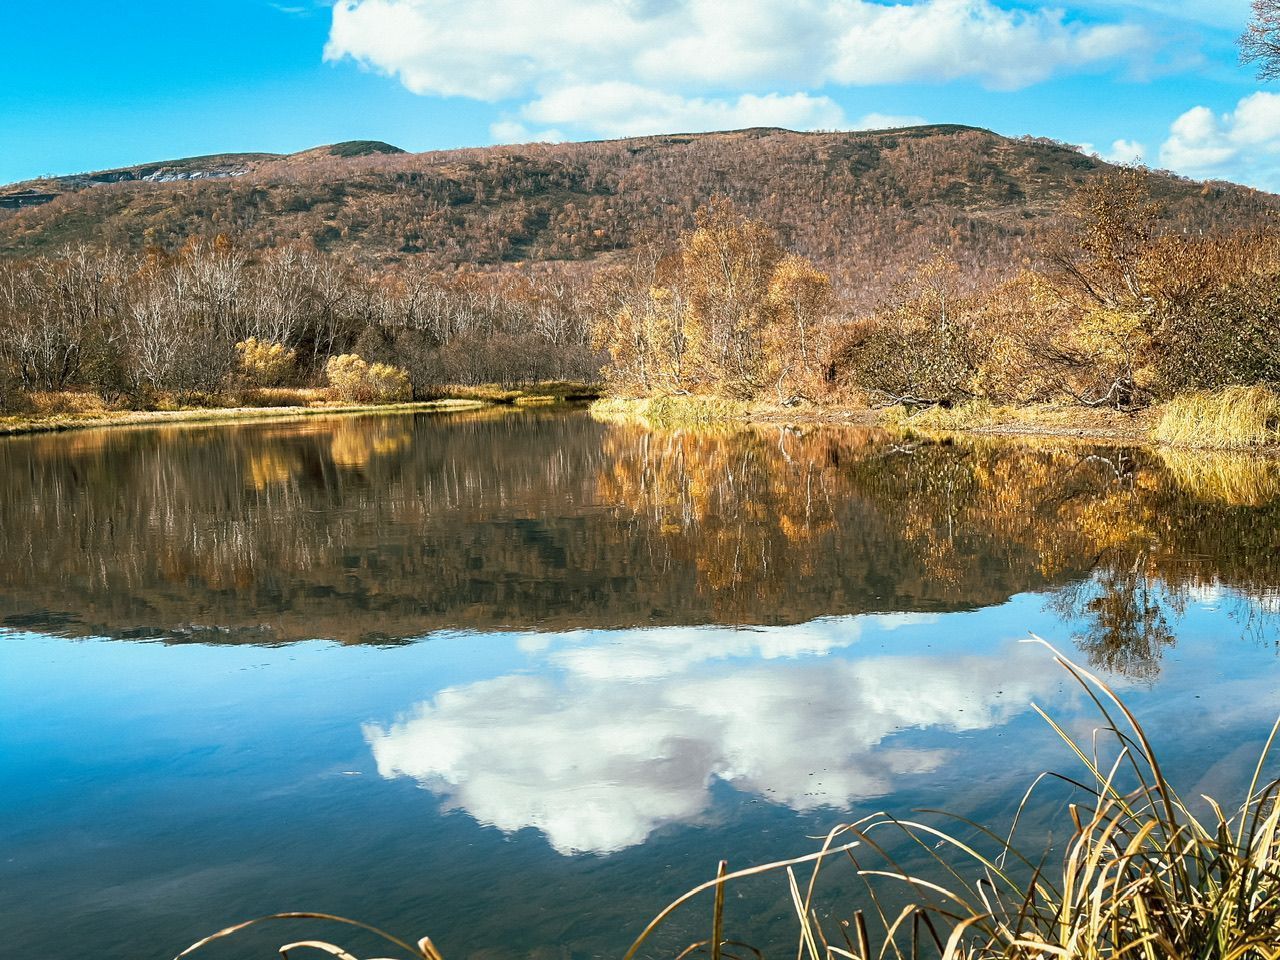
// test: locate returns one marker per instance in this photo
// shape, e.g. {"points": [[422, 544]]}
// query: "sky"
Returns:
{"points": [[97, 86]]}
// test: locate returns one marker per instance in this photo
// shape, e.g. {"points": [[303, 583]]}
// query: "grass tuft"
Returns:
{"points": [[964, 416], [1235, 418]]}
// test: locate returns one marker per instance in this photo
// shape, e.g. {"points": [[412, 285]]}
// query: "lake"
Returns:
{"points": [[516, 679]]}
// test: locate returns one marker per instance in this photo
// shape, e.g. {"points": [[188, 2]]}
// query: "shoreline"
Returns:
{"points": [[64, 422], [1069, 424]]}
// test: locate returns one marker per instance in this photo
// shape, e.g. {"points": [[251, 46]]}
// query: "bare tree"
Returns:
{"points": [[1261, 41]]}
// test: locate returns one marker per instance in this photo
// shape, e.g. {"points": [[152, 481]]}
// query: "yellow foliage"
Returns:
{"points": [[353, 379], [732, 316], [265, 364]]}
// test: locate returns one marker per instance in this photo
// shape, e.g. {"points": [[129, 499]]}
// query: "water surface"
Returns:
{"points": [[516, 680]]}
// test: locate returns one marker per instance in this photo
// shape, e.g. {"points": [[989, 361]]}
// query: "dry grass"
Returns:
{"points": [[279, 397], [965, 416], [20, 425], [64, 403], [1032, 420], [552, 391], [1235, 418], [1141, 876], [671, 411]]}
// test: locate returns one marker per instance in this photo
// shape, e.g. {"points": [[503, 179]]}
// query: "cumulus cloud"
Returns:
{"points": [[638, 66], [597, 760], [886, 121], [1242, 144], [1121, 151], [1126, 151], [626, 109]]}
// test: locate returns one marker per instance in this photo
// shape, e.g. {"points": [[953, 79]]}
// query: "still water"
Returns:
{"points": [[517, 679]]}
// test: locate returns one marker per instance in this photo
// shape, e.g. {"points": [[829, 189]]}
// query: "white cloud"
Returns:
{"points": [[886, 121], [1241, 145], [625, 109], [597, 760], [1122, 151], [1126, 151], [640, 66], [954, 39]]}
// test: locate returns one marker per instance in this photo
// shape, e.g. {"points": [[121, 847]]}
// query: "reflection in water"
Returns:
{"points": [[598, 760], [381, 529], [563, 572], [1122, 619]]}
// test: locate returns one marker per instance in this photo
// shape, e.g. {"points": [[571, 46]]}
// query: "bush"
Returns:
{"points": [[356, 381], [265, 364]]}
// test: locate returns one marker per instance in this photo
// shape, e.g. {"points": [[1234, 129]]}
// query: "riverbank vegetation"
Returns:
{"points": [[1141, 871], [213, 325], [1115, 314]]}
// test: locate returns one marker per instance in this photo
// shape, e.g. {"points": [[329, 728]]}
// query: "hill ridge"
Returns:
{"points": [[861, 203]]}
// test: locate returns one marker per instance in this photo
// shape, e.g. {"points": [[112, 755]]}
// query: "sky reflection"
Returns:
{"points": [[624, 732]]}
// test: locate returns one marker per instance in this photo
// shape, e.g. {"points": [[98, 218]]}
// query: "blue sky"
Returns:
{"points": [[96, 85]]}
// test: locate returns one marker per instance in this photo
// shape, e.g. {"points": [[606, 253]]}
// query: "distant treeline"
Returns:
{"points": [[212, 317], [1117, 310]]}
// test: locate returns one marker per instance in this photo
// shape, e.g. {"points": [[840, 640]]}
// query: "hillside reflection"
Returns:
{"points": [[387, 528]]}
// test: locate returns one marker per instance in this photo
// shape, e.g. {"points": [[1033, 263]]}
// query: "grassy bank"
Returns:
{"points": [[1239, 418], [13, 426], [54, 412], [1139, 872], [673, 410], [526, 396]]}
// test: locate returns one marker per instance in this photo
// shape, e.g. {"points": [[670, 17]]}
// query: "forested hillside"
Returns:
{"points": [[865, 207]]}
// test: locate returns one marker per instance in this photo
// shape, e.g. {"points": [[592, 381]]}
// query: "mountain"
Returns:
{"points": [[861, 204]]}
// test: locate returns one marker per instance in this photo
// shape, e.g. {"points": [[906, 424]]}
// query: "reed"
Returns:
{"points": [[1141, 876], [1234, 418]]}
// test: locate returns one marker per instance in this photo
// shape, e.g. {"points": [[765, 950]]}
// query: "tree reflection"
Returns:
{"points": [[383, 528], [1121, 618]]}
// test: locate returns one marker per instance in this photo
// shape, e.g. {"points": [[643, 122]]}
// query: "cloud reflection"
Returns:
{"points": [[629, 731]]}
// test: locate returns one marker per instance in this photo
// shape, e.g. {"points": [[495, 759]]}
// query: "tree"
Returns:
{"points": [[726, 267], [801, 301], [1261, 41]]}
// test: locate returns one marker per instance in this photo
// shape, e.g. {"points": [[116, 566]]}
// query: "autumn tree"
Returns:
{"points": [[727, 265], [1098, 265], [729, 314], [798, 337]]}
